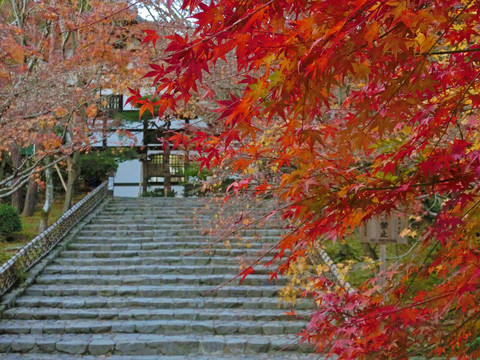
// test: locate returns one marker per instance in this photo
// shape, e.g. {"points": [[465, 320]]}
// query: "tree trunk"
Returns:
{"points": [[167, 176], [17, 196], [3, 164], [30, 198], [48, 200], [104, 134], [73, 173]]}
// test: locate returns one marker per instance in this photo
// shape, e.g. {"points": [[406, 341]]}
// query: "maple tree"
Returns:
{"points": [[49, 86], [351, 109], [57, 59]]}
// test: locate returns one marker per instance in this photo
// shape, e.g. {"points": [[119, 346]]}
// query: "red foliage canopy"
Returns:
{"points": [[359, 107]]}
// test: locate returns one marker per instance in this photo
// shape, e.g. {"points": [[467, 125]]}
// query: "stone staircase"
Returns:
{"points": [[133, 285]]}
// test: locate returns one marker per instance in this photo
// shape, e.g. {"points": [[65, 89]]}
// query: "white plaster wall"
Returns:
{"points": [[129, 171]]}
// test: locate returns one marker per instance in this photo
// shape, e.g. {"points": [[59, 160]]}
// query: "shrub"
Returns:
{"points": [[97, 165], [9, 220], [159, 193]]}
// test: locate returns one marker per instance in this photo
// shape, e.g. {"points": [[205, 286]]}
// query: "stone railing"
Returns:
{"points": [[36, 249]]}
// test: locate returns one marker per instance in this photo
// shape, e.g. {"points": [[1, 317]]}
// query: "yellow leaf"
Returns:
{"points": [[92, 110], [372, 33], [425, 43], [61, 111], [344, 191]]}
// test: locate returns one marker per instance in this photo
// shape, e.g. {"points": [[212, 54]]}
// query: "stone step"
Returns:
{"points": [[162, 213], [145, 313], [175, 202], [162, 202], [152, 279], [196, 208], [197, 239], [159, 225], [121, 199], [148, 344], [147, 269], [194, 220], [284, 355], [113, 254], [153, 291], [165, 327], [184, 206], [162, 209], [152, 220], [130, 261], [164, 206], [178, 232], [96, 302], [153, 216], [193, 217], [156, 245]]}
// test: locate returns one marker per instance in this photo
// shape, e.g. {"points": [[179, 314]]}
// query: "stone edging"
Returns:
{"points": [[11, 297], [334, 269]]}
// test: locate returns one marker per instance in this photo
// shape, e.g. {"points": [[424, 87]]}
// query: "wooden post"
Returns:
{"points": [[144, 173], [61, 178], [167, 176], [383, 262], [144, 157]]}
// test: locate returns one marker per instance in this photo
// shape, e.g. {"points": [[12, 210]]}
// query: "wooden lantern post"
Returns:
{"points": [[382, 230]]}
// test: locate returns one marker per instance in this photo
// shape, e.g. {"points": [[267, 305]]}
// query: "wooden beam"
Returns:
{"points": [[61, 178]]}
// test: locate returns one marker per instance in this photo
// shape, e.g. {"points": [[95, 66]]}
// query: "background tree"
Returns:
{"points": [[57, 59]]}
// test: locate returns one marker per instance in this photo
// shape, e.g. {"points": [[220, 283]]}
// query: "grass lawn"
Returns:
{"points": [[30, 225]]}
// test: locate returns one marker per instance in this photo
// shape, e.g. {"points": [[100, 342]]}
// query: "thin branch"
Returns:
{"points": [[412, 185], [257, 261], [104, 18], [447, 52], [17, 186]]}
